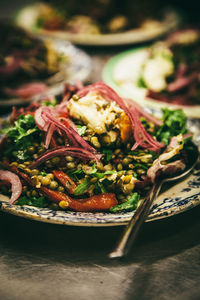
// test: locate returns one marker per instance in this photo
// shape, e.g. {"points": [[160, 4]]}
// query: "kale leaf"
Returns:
{"points": [[33, 201], [82, 188], [24, 127], [129, 205], [20, 135], [174, 123]]}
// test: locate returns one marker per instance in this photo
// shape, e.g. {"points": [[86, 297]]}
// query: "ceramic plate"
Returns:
{"points": [[142, 34], [78, 66], [174, 200], [120, 72]]}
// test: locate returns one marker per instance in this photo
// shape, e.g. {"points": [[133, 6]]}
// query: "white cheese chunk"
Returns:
{"points": [[94, 111]]}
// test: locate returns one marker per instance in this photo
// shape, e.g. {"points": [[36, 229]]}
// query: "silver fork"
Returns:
{"points": [[134, 225]]}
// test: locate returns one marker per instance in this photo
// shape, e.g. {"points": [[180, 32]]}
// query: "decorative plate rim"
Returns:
{"points": [[107, 76], [177, 199]]}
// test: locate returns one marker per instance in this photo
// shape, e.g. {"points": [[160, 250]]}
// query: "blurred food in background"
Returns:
{"points": [[166, 73], [171, 73], [23, 59], [91, 17], [30, 66]]}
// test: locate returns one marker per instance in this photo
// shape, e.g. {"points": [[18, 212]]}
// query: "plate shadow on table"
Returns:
{"points": [[57, 243]]}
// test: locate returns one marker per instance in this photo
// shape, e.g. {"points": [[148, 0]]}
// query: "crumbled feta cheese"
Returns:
{"points": [[94, 111]]}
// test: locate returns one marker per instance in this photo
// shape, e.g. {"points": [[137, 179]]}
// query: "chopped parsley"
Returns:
{"points": [[174, 123], [129, 205]]}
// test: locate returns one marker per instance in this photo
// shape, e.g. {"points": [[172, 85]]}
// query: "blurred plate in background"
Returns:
{"points": [[150, 30], [121, 73], [77, 66]]}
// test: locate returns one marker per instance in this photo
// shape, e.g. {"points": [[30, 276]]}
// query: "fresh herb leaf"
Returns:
{"points": [[129, 205], [94, 169], [20, 135], [20, 154], [43, 173], [81, 129], [99, 188], [174, 123], [24, 127], [101, 175], [108, 153], [34, 201], [82, 188]]}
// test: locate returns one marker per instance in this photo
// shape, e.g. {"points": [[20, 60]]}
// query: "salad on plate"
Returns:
{"points": [[166, 73], [90, 151]]}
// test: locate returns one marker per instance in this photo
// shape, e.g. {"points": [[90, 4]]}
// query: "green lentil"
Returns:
{"points": [[126, 161], [24, 188], [130, 172], [108, 167], [100, 166], [46, 180], [21, 166], [15, 164], [94, 140], [117, 151], [55, 160], [53, 185], [28, 193], [35, 155], [119, 167], [34, 193], [69, 158], [140, 171], [70, 165], [34, 172], [61, 189], [41, 150], [31, 149], [50, 175], [48, 164], [131, 166], [27, 170]]}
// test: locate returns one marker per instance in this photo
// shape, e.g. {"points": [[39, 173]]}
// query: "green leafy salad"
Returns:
{"points": [[91, 151]]}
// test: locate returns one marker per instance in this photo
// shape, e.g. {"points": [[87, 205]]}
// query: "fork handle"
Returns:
{"points": [[132, 228]]}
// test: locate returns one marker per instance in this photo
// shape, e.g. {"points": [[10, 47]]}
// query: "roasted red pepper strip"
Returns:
{"points": [[66, 181], [94, 203]]}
